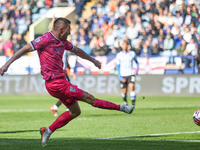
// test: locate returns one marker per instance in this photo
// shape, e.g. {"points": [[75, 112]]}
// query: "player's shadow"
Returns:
{"points": [[96, 144], [20, 131]]}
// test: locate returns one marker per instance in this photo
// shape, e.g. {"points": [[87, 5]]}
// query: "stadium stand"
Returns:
{"points": [[152, 27]]}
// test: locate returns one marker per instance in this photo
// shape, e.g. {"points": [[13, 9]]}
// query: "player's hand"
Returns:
{"points": [[97, 63], [123, 80], [136, 73], [3, 69]]}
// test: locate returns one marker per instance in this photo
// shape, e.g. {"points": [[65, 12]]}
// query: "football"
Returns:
{"points": [[196, 117]]}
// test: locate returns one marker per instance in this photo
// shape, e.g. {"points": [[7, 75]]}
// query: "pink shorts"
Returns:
{"points": [[64, 91]]}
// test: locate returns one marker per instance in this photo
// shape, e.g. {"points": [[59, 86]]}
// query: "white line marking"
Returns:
{"points": [[45, 110], [173, 140], [150, 135]]}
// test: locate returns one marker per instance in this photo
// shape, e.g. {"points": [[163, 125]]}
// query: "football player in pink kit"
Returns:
{"points": [[50, 48]]}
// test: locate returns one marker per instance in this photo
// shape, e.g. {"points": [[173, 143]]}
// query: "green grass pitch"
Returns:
{"points": [[158, 123]]}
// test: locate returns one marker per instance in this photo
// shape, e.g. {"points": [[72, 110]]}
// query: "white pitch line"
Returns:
{"points": [[45, 110], [172, 140], [149, 135]]}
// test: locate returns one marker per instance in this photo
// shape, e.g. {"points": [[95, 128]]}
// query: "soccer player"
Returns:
{"points": [[50, 48], [54, 108], [126, 72]]}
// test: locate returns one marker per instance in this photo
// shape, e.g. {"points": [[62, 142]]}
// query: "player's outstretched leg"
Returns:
{"points": [[112, 106], [90, 99]]}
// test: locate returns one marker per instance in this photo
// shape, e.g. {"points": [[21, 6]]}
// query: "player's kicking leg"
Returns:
{"points": [[90, 99]]}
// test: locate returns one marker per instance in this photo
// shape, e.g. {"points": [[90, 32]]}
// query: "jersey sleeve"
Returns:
{"points": [[69, 46], [117, 60], [39, 43]]}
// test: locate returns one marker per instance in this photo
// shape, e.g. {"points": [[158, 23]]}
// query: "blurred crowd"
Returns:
{"points": [[151, 27], [17, 15]]}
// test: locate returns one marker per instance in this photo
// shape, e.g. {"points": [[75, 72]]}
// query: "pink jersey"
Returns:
{"points": [[50, 51]]}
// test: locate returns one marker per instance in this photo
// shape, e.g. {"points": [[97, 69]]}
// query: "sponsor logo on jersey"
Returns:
{"points": [[38, 39], [72, 89]]}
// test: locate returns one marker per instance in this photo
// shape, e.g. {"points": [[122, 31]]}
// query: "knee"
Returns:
{"points": [[88, 98], [75, 114]]}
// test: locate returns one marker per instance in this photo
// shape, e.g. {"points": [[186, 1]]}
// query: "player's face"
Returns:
{"points": [[124, 46], [65, 32]]}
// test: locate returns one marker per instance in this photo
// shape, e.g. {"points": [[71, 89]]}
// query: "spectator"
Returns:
{"points": [[94, 15], [21, 41], [131, 31], [161, 18], [194, 11], [116, 31], [14, 28], [17, 14], [195, 34], [181, 48], [173, 8], [138, 24], [124, 8], [118, 43], [1, 46], [82, 34], [90, 36], [191, 49], [178, 19], [5, 22], [196, 19], [95, 22], [113, 52], [6, 34], [93, 42], [9, 52], [162, 34], [84, 46], [146, 51], [135, 9], [187, 35], [112, 5], [79, 7], [6, 45], [15, 46], [170, 19], [161, 43], [121, 20], [155, 48], [168, 43], [128, 17], [137, 48], [188, 18], [178, 40], [33, 7], [110, 39], [98, 50], [97, 31], [175, 30]]}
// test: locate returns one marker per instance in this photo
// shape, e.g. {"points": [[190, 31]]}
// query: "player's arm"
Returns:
{"points": [[79, 52], [137, 63], [27, 48], [118, 72]]}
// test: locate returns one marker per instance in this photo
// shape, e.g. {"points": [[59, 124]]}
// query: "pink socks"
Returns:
{"points": [[106, 105], [62, 120]]}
